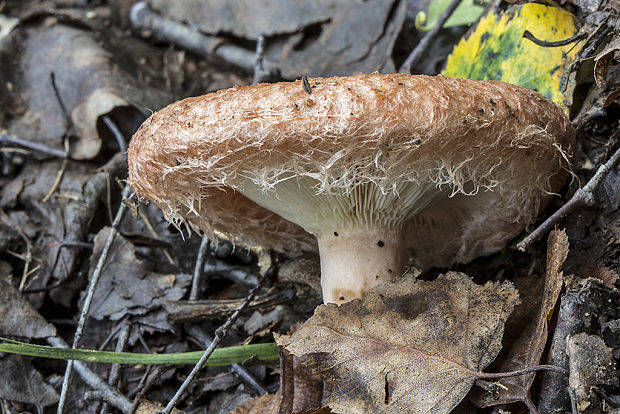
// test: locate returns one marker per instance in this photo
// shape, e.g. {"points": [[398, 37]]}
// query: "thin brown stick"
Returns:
{"points": [[199, 267], [220, 333], [27, 258], [115, 370], [153, 232], [109, 394], [421, 47], [6, 139], [149, 383], [59, 176], [259, 67], [495, 375], [127, 192], [583, 197]]}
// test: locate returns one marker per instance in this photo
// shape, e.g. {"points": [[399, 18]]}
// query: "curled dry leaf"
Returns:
{"points": [[409, 346], [527, 329], [88, 82], [606, 58]]}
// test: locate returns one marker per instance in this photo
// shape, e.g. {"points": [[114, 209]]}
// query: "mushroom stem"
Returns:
{"points": [[354, 261]]}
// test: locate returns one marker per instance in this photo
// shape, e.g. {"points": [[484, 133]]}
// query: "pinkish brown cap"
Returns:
{"points": [[373, 170]]}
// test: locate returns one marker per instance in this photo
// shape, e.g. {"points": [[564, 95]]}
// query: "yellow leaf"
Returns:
{"points": [[497, 50]]}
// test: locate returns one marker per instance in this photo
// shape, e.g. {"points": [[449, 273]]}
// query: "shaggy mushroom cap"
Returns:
{"points": [[374, 170]]}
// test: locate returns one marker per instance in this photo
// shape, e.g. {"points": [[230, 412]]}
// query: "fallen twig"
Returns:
{"points": [[143, 19], [118, 135], [259, 68], [421, 47], [107, 393], [558, 43], [220, 333], [240, 274], [6, 139], [127, 191], [238, 369], [27, 258], [199, 267], [115, 370], [183, 311], [149, 383], [583, 196], [151, 229], [61, 172]]}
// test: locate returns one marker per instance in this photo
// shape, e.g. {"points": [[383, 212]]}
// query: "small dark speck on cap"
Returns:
{"points": [[341, 297], [336, 233], [380, 243]]}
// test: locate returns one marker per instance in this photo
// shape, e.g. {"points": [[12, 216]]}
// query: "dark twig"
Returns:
{"points": [[109, 394], [529, 36], [238, 369], [583, 196], [199, 267], [220, 333], [183, 311], [61, 103], [127, 191], [157, 373], [421, 47], [28, 256], [118, 135], [143, 19], [115, 370], [573, 400], [6, 139], [259, 64]]}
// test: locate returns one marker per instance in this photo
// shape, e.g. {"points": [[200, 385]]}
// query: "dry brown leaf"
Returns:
{"points": [[126, 286], [607, 276], [262, 404], [267, 404], [407, 347], [88, 81], [358, 38], [21, 382], [66, 217], [250, 18], [19, 318], [527, 328], [606, 58]]}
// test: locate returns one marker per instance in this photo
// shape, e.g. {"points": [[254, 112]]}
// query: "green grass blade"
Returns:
{"points": [[221, 356]]}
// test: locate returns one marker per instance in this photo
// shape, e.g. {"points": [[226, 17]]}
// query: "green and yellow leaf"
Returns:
{"points": [[497, 50]]}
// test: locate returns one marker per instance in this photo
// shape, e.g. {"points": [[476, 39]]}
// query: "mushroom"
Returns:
{"points": [[376, 171]]}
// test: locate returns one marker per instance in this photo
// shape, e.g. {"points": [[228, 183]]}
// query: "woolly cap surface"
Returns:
{"points": [[490, 153]]}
